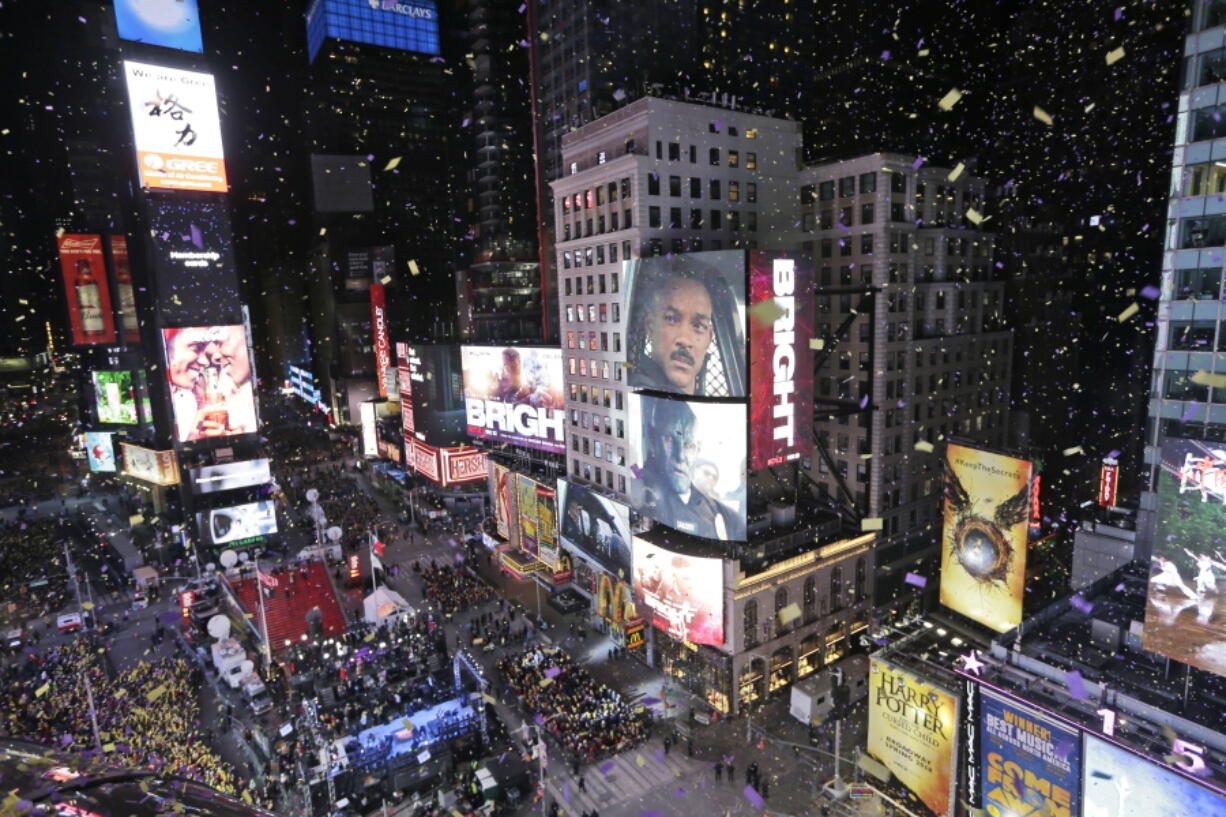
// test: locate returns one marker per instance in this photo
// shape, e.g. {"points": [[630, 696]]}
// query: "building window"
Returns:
{"points": [[1207, 231], [653, 184], [693, 154], [626, 186], [781, 601], [626, 222], [1209, 123], [1198, 284], [713, 191], [751, 192], [734, 158], [751, 159], [674, 151], [868, 183], [866, 243], [696, 218], [898, 183], [847, 186], [674, 217], [715, 220], [749, 622], [734, 191], [695, 187], [751, 221], [898, 211], [836, 588], [808, 194], [825, 191], [827, 247], [674, 185], [653, 217], [713, 156]]}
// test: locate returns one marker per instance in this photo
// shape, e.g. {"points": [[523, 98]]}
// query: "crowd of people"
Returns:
{"points": [[148, 716], [454, 588], [589, 719], [29, 551]]}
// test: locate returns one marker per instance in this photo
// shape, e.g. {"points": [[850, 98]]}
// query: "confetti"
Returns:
{"points": [[1115, 55], [916, 580], [789, 614], [1076, 685], [950, 99], [1128, 312], [956, 172], [393, 164], [871, 523], [1042, 115], [816, 344], [923, 445], [751, 794]]}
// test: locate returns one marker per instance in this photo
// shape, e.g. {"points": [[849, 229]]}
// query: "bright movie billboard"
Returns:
{"points": [[780, 368], [684, 594], [688, 460], [514, 395], [237, 525], [501, 481], [595, 526], [686, 324], [158, 467], [912, 729], [983, 549], [229, 476], [1031, 762], [176, 128], [1118, 783], [83, 270], [1185, 611], [209, 374], [525, 489]]}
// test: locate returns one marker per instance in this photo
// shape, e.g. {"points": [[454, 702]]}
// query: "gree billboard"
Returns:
{"points": [[176, 128]]}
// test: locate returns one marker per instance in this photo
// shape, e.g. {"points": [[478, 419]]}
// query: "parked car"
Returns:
{"points": [[14, 640], [67, 622]]}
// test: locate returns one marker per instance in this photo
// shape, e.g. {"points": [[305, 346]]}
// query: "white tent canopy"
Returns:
{"points": [[383, 604]]}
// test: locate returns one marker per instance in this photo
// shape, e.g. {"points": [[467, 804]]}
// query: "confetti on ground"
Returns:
{"points": [[553, 672], [751, 794], [1076, 684], [607, 767]]}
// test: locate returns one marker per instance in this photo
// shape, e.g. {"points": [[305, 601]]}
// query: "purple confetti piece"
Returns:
{"points": [[1187, 415], [1119, 14], [638, 473], [917, 163], [169, 617], [607, 767], [539, 719], [864, 401], [651, 814], [1119, 588], [885, 55], [651, 701], [916, 579], [751, 794], [523, 7], [679, 793], [501, 758], [659, 755], [1150, 292], [1114, 453], [1076, 685], [1081, 604], [566, 792], [1063, 748], [553, 672]]}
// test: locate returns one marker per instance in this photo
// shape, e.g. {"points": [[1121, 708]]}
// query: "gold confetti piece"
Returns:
{"points": [[1128, 312], [108, 747], [766, 312], [1204, 378], [871, 523], [393, 164], [950, 100], [1042, 115], [369, 637], [1115, 56], [489, 698], [974, 216], [639, 760], [323, 230], [386, 279], [817, 344], [789, 614], [413, 269], [923, 445], [546, 682], [956, 172], [42, 690], [88, 605], [1068, 452], [157, 692]]}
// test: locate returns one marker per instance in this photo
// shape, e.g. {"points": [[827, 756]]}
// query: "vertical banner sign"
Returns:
{"points": [[383, 346], [983, 549], [1031, 762], [1108, 482], [780, 372], [405, 384], [526, 489], [547, 527], [970, 742], [501, 481], [176, 128], [83, 268], [124, 291], [913, 730]]}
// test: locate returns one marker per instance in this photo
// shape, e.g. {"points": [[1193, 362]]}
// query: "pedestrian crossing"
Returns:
{"points": [[632, 774]]}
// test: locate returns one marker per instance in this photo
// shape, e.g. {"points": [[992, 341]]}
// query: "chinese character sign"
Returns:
{"points": [[176, 128]]}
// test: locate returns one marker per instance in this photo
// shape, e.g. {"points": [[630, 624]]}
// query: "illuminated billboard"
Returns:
{"points": [[404, 382], [431, 380], [596, 526], [193, 261], [514, 395], [99, 451], [158, 467], [688, 460], [237, 525], [370, 445], [168, 23], [684, 594], [210, 479], [209, 373], [1118, 783], [913, 730], [501, 482], [83, 270], [1185, 611], [382, 342], [461, 465], [1031, 762], [406, 25], [780, 367], [114, 397], [176, 128], [525, 490], [369, 265], [129, 323], [983, 548], [686, 323], [547, 527]]}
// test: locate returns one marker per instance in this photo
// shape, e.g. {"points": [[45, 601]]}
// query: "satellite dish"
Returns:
{"points": [[248, 667], [211, 567], [219, 627], [244, 557], [312, 495], [228, 559], [334, 534]]}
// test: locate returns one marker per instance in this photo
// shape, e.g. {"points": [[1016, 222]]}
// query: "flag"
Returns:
{"points": [[376, 564], [267, 579], [379, 546]]}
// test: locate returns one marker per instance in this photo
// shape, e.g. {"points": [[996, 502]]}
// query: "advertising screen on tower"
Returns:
{"points": [[983, 550], [99, 451], [168, 23], [114, 397], [686, 324], [547, 527], [1031, 762], [596, 526], [688, 458], [210, 479], [176, 128], [780, 368], [525, 490], [129, 322], [502, 481], [514, 395], [83, 269], [210, 377], [1185, 611], [158, 467], [431, 379], [1117, 783], [407, 25], [238, 525], [193, 261], [382, 341], [912, 729], [685, 594]]}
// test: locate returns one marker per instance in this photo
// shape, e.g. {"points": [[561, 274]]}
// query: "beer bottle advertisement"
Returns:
{"points": [[83, 268]]}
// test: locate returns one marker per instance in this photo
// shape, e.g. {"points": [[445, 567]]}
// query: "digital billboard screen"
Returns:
{"points": [[435, 387], [1031, 762], [1185, 610], [514, 395], [912, 729], [176, 128], [129, 322], [158, 467], [370, 433], [210, 479], [382, 342], [525, 490], [114, 397], [502, 480], [686, 323], [983, 549], [193, 262], [168, 23], [237, 525], [547, 527], [1118, 783], [407, 25], [209, 373], [369, 265], [684, 594], [688, 460], [780, 365], [99, 451], [83, 270], [595, 526]]}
